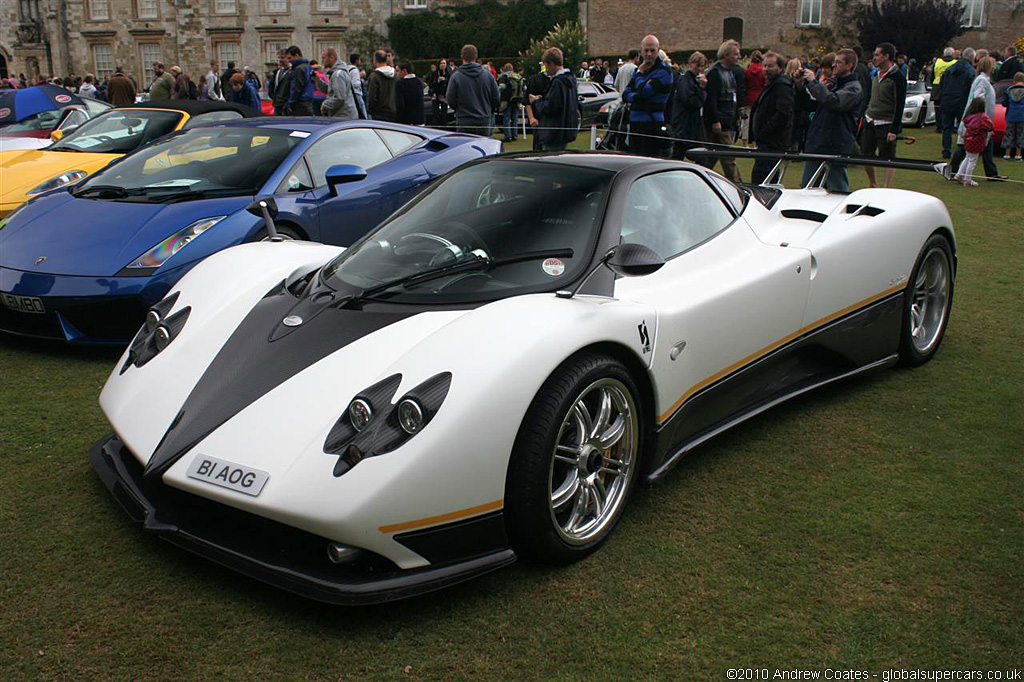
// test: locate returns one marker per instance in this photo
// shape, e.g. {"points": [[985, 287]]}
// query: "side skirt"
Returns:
{"points": [[674, 458]]}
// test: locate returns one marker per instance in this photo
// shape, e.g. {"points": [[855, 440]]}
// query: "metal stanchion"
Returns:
{"points": [[593, 136]]}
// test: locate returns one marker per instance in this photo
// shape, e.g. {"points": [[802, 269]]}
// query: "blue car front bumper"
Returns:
{"points": [[81, 310]]}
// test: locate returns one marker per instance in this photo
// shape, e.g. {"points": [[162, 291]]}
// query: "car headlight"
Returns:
{"points": [[372, 425], [159, 254], [58, 181]]}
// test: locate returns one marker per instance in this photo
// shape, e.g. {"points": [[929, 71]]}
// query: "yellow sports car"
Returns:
{"points": [[120, 131]]}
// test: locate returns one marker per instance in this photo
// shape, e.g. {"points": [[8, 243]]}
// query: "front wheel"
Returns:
{"points": [[927, 302], [575, 460]]}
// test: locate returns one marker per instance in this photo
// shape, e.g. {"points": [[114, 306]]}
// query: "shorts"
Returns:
{"points": [[1014, 135], [874, 137]]}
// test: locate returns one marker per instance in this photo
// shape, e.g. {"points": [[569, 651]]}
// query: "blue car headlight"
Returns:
{"points": [[56, 181], [159, 254]]}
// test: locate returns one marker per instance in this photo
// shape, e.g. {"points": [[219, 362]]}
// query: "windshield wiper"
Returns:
{"points": [[171, 197], [476, 263], [108, 191]]}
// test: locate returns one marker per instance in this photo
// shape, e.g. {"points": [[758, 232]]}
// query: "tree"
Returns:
{"points": [[918, 28], [569, 37], [365, 42]]}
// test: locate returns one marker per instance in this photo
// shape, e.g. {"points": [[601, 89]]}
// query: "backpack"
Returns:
{"points": [[517, 88]]}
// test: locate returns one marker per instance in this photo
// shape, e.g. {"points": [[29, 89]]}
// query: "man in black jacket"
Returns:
{"points": [[771, 116], [408, 96], [955, 86], [538, 84], [282, 83], [688, 96], [833, 129], [558, 110]]}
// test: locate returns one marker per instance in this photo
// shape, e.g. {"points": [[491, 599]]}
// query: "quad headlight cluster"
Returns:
{"points": [[158, 255], [373, 425], [66, 178], [160, 328]]}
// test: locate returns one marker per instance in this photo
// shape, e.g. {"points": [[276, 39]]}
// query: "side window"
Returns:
{"points": [[672, 212], [356, 146], [398, 141], [298, 179], [211, 117], [731, 191], [587, 90]]}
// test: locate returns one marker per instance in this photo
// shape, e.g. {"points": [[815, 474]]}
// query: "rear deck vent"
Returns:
{"points": [[868, 211], [801, 214]]}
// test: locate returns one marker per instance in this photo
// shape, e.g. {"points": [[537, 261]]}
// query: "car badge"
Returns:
{"points": [[40, 260], [292, 321]]}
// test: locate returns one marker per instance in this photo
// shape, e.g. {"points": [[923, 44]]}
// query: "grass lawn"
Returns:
{"points": [[878, 524]]}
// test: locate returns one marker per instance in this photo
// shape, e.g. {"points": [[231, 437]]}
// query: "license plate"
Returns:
{"points": [[23, 304], [228, 475]]}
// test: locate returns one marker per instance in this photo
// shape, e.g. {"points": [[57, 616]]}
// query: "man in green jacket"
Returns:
{"points": [[162, 85]]}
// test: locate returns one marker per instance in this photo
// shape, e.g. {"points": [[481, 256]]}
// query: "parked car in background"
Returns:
{"points": [[83, 264], [595, 99], [116, 132], [919, 110]]}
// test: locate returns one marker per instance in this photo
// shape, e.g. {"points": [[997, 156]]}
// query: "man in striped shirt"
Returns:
{"points": [[647, 93]]}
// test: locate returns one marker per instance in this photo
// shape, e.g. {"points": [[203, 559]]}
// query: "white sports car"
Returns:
{"points": [[919, 110], [492, 371]]}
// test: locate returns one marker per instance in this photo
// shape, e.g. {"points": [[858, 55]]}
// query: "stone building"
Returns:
{"points": [[57, 37], [793, 26]]}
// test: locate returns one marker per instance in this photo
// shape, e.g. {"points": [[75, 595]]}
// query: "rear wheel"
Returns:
{"points": [[575, 460], [927, 302]]}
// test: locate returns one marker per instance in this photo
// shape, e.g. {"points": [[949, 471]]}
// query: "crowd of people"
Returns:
{"points": [[838, 104]]}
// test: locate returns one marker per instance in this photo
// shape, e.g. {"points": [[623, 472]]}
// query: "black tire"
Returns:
{"points": [[927, 303], [534, 521], [289, 233]]}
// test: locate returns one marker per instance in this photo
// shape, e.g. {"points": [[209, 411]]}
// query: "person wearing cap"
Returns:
{"points": [[163, 83]]}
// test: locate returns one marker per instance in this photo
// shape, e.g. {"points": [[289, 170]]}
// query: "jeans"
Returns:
{"points": [[509, 120], [837, 180], [950, 122]]}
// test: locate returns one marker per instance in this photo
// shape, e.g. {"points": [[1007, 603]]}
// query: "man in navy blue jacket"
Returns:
{"points": [[300, 97], [558, 109], [955, 86], [647, 94]]}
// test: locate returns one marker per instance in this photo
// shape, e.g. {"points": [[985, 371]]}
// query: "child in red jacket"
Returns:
{"points": [[978, 127]]}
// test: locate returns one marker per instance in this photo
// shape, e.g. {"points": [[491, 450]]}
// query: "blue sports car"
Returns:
{"points": [[83, 264]]}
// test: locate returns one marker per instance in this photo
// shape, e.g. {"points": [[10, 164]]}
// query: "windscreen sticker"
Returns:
{"points": [[62, 99], [299, 133], [553, 266]]}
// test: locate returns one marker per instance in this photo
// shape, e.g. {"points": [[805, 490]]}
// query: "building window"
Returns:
{"points": [[415, 4], [103, 61], [276, 6], [149, 52], [98, 10], [974, 13], [30, 10], [328, 5], [228, 52], [271, 48], [225, 7], [147, 9], [810, 13]]}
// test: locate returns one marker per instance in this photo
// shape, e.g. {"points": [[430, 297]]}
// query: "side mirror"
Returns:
{"points": [[56, 135], [342, 173], [634, 260]]}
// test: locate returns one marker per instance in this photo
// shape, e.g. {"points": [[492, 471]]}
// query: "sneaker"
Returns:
{"points": [[970, 183], [1007, 157]]}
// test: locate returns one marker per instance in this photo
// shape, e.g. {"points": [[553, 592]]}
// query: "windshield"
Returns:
{"points": [[916, 87], [44, 120], [201, 161], [523, 219], [120, 131]]}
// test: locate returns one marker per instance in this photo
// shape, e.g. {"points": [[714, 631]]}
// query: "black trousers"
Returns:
{"points": [[648, 139], [762, 167]]}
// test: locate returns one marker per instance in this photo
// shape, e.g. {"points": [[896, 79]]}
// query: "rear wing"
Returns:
{"points": [[824, 161]]}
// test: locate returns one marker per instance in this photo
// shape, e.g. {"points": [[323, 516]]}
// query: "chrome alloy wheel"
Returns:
{"points": [[930, 300], [593, 462]]}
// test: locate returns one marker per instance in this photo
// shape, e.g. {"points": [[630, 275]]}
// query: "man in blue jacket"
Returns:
{"points": [[557, 110], [300, 97], [833, 129], [647, 94], [955, 86]]}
